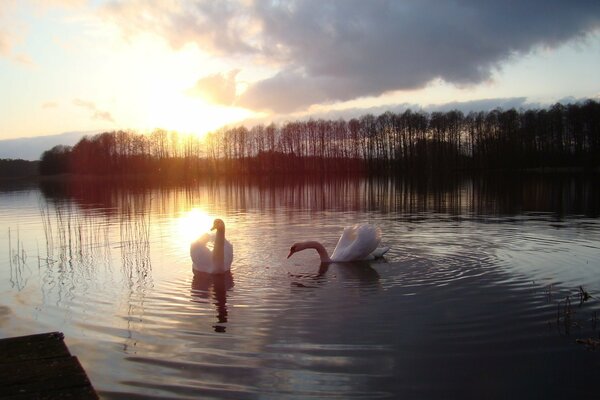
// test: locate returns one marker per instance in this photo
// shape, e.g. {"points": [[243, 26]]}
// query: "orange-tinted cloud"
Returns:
{"points": [[95, 112], [216, 88], [50, 104], [4, 44], [340, 50]]}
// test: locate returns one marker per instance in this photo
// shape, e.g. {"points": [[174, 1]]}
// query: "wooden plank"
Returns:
{"points": [[83, 393], [41, 367], [41, 375], [33, 347]]}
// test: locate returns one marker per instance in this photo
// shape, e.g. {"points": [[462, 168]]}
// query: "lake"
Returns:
{"points": [[484, 293]]}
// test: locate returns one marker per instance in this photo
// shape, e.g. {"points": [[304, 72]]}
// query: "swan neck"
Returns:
{"points": [[219, 249], [320, 249]]}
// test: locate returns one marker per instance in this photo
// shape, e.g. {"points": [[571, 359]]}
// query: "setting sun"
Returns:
{"points": [[178, 112]]}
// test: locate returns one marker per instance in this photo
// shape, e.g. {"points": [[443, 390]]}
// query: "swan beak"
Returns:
{"points": [[291, 252]]}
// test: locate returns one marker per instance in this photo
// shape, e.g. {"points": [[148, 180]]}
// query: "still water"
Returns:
{"points": [[479, 296]]}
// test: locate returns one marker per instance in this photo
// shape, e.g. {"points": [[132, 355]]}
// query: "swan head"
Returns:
{"points": [[218, 224], [293, 249]]}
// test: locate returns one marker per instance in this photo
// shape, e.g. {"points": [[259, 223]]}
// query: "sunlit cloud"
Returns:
{"points": [[5, 40], [95, 112], [213, 25], [24, 59], [49, 105], [216, 88], [11, 34], [4, 44], [61, 3], [103, 115], [326, 52]]}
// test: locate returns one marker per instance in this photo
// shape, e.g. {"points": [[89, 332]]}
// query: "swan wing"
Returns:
{"points": [[228, 255], [201, 256], [357, 243]]}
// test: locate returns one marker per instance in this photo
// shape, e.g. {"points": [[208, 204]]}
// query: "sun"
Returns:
{"points": [[181, 113]]}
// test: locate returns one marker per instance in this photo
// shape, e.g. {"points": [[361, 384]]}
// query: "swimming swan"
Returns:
{"points": [[218, 260], [357, 243]]}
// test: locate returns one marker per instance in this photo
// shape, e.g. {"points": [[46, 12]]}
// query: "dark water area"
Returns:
{"points": [[484, 293]]}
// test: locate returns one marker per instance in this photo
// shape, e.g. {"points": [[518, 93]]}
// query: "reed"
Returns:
{"points": [[17, 261], [78, 241]]}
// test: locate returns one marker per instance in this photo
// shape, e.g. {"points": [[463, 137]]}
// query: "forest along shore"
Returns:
{"points": [[562, 138]]}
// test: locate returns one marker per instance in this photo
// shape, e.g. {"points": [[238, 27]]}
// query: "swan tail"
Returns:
{"points": [[380, 251], [357, 243]]}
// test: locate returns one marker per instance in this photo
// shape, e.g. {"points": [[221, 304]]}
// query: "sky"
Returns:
{"points": [[195, 65]]}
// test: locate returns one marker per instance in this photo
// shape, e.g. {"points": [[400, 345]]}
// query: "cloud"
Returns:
{"points": [[24, 59], [49, 104], [466, 107], [13, 32], [220, 26], [85, 104], [217, 88], [484, 105], [103, 115], [61, 3], [340, 50], [95, 112], [4, 44]]}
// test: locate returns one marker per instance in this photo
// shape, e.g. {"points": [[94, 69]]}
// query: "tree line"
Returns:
{"points": [[410, 141], [17, 168]]}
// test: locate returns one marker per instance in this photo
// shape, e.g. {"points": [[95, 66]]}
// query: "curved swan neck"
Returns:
{"points": [[317, 246]]}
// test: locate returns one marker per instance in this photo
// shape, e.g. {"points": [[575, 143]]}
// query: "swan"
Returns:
{"points": [[218, 260], [358, 242]]}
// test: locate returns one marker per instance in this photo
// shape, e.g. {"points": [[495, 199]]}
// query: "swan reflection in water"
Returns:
{"points": [[355, 273], [207, 286]]}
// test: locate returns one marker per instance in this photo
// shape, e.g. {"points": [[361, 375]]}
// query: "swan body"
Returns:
{"points": [[357, 243], [215, 261]]}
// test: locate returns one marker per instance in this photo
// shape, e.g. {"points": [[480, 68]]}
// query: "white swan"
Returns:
{"points": [[358, 242], [218, 260]]}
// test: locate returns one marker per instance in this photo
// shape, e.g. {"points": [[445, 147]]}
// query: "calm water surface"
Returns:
{"points": [[471, 301]]}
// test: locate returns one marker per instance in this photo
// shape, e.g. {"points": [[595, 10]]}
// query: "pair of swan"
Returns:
{"points": [[357, 243]]}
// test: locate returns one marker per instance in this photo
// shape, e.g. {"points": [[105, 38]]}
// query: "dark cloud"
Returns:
{"points": [[338, 50], [463, 106]]}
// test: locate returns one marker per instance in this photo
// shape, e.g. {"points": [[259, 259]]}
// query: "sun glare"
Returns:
{"points": [[191, 115], [189, 226]]}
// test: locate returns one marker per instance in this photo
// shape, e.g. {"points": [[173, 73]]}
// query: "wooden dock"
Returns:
{"points": [[41, 367]]}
